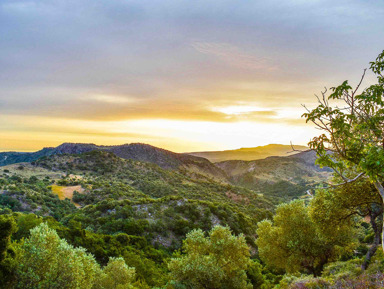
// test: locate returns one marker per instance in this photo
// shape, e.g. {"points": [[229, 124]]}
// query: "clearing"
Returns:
{"points": [[67, 192]]}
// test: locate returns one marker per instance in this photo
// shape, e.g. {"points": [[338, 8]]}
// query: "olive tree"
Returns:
{"points": [[218, 261], [46, 261], [293, 241], [116, 275]]}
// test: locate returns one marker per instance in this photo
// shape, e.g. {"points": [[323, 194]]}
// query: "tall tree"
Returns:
{"points": [[352, 125]]}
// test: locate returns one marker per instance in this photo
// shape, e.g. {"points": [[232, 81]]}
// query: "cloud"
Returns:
{"points": [[234, 56], [117, 60], [112, 99]]}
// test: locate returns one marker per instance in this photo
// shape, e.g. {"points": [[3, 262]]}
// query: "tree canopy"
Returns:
{"points": [[217, 261], [47, 261], [295, 242], [352, 125]]}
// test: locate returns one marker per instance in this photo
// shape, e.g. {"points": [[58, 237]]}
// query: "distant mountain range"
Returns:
{"points": [[249, 154]]}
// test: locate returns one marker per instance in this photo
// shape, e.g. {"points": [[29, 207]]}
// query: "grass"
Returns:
{"points": [[66, 192]]}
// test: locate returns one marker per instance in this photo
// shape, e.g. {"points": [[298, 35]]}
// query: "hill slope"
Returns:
{"points": [[138, 198], [248, 154], [285, 177], [165, 159]]}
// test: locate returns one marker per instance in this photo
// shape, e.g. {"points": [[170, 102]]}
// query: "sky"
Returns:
{"points": [[181, 75]]}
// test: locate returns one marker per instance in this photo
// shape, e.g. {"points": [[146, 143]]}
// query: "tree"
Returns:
{"points": [[46, 261], [341, 204], [116, 275], [218, 261], [352, 125], [294, 242]]}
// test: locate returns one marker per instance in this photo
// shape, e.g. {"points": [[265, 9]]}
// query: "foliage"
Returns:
{"points": [[136, 252], [255, 275], [340, 205], [46, 261], [7, 228], [352, 122], [294, 242], [116, 275], [354, 132], [362, 281], [32, 195], [216, 261]]}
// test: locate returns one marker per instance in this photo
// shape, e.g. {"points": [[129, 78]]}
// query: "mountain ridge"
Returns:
{"points": [[134, 151], [249, 153], [275, 175]]}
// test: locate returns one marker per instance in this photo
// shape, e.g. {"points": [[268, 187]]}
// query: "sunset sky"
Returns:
{"points": [[182, 75]]}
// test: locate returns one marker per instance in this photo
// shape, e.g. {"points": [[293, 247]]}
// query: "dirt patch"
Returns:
{"points": [[67, 192], [76, 177]]}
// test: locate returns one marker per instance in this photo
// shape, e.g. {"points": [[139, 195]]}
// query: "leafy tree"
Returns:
{"points": [[116, 275], [217, 261], [341, 204], [294, 242], [46, 261], [352, 122]]}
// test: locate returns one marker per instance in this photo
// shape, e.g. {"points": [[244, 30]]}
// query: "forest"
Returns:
{"points": [[97, 220]]}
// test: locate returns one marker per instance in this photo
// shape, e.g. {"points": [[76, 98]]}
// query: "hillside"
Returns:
{"points": [[7, 158], [194, 166], [113, 195], [248, 154], [285, 177]]}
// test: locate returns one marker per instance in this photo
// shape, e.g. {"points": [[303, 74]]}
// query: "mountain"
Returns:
{"points": [[248, 154], [285, 177], [108, 194], [165, 159], [7, 158]]}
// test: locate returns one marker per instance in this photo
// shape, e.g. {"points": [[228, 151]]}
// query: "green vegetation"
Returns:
{"points": [[46, 261], [93, 219], [217, 261], [352, 142], [7, 253], [296, 242], [128, 209], [282, 178]]}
